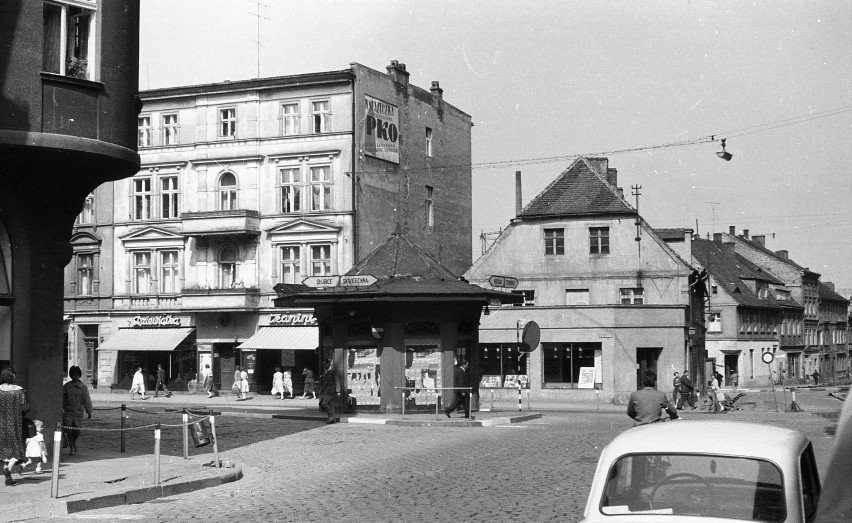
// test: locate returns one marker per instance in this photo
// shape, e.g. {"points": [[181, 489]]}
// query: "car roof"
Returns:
{"points": [[709, 437]]}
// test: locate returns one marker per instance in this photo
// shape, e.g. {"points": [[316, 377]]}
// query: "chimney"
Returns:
{"points": [[621, 192], [745, 234], [732, 230], [717, 238], [759, 239], [783, 254], [397, 72], [829, 284], [612, 176], [437, 92], [519, 206], [729, 249], [600, 166]]}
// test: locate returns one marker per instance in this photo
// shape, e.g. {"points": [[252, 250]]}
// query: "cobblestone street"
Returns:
{"points": [[301, 471]]}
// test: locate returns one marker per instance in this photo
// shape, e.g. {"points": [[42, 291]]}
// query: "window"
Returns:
{"points": [[290, 119], [170, 129], [85, 274], [291, 189], [430, 207], [227, 268], [501, 360], [69, 38], [141, 198], [141, 272], [598, 240], [321, 185], [144, 134], [228, 192], [576, 296], [87, 215], [714, 289], [320, 260], [321, 116], [714, 322], [554, 241], [291, 264], [428, 142], [529, 298], [562, 361], [632, 296], [170, 197], [227, 123], [169, 272]]}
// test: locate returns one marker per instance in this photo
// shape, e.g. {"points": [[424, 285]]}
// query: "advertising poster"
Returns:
{"points": [[364, 374], [587, 378], [381, 130], [423, 373]]}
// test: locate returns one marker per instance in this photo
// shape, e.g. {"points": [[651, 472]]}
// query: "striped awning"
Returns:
{"points": [[142, 339], [289, 338]]}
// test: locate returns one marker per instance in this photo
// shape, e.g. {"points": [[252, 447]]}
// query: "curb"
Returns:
{"points": [[143, 494]]}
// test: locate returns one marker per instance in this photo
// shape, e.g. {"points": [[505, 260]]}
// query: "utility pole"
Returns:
{"points": [[713, 216], [635, 192], [257, 15]]}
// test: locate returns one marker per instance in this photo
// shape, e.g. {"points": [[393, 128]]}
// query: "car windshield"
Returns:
{"points": [[695, 485]]}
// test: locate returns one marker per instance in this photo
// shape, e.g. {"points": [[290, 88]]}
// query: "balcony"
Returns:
{"points": [[240, 222], [230, 298]]}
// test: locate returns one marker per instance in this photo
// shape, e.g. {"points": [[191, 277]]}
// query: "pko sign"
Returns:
{"points": [[381, 130]]}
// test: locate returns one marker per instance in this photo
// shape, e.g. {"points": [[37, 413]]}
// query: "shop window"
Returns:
{"points": [[85, 274], [170, 129], [169, 197], [141, 272], [429, 209], [144, 131], [321, 187], [422, 374], [502, 365], [632, 296], [68, 32], [227, 192], [321, 116], [87, 215], [529, 297], [564, 363], [598, 240], [141, 198], [290, 119], [227, 123], [422, 328], [291, 264], [169, 272], [320, 260], [554, 241]]}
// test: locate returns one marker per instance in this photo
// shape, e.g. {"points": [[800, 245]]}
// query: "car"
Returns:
{"points": [[705, 471]]}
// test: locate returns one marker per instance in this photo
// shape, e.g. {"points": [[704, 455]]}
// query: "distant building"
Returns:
{"points": [[610, 297], [68, 109], [252, 183], [833, 332]]}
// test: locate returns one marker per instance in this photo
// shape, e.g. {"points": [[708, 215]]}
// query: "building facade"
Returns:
{"points": [[833, 333], [68, 105], [610, 297], [248, 184]]}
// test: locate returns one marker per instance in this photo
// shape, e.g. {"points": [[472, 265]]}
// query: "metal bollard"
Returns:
{"points": [[492, 400], [215, 440], [123, 418], [403, 404], [57, 448], [528, 400], [185, 434], [157, 434], [519, 397]]}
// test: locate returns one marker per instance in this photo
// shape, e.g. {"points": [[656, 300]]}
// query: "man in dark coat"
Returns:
{"points": [[686, 391], [647, 404], [461, 396], [161, 382], [328, 391]]}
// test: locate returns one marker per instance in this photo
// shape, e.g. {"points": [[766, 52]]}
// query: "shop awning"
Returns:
{"points": [[290, 338], [147, 339]]}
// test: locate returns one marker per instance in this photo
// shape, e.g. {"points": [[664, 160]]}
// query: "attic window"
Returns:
{"points": [[737, 290], [714, 289]]}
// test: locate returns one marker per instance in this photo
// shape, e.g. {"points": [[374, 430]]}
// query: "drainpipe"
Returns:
{"points": [[354, 179]]}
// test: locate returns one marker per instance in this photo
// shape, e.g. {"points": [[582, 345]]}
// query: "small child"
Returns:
{"points": [[36, 451]]}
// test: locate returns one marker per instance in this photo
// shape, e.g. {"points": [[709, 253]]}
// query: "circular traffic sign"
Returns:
{"points": [[531, 335], [767, 357]]}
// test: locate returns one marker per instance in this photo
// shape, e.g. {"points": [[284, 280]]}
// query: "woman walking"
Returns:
{"points": [[75, 400], [207, 380], [138, 385], [13, 406], [309, 384]]}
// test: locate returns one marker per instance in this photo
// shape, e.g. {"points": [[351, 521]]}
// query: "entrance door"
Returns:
{"points": [[732, 362], [646, 359], [227, 362]]}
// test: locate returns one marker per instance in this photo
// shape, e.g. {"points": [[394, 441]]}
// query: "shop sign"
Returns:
{"points": [[292, 318], [381, 130], [156, 321]]}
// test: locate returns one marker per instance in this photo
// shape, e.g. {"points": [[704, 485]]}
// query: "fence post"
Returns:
{"points": [[528, 399], [492, 400], [57, 448], [157, 434], [123, 417], [185, 434], [215, 440]]}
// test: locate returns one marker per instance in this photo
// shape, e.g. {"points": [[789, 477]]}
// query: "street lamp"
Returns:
{"points": [[723, 154]]}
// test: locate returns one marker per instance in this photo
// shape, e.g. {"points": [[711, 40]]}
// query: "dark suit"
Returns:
{"points": [[461, 397], [328, 393], [686, 391]]}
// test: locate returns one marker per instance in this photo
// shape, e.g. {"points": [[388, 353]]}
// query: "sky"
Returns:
{"points": [[549, 79]]}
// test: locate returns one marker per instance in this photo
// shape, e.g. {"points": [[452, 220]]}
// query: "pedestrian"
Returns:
{"points": [[13, 406], [287, 381], [244, 385], [687, 391], [278, 383], [75, 401], [816, 377], [647, 404], [207, 380], [328, 391], [720, 380], [36, 451], [161, 382], [235, 387], [309, 383], [138, 385], [676, 387], [461, 396]]}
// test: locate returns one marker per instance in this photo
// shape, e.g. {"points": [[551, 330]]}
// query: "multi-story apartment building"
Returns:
{"points": [[833, 333], [68, 86], [252, 183], [610, 297]]}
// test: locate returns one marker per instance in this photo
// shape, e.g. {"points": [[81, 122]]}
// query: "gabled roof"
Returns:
{"points": [[674, 234], [578, 191], [763, 249], [826, 293], [728, 272]]}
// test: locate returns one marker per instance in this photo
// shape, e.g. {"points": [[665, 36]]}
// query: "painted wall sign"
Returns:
{"points": [[292, 318], [381, 130], [156, 321]]}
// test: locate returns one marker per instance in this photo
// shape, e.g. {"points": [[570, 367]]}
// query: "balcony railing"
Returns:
{"points": [[228, 298], [221, 223]]}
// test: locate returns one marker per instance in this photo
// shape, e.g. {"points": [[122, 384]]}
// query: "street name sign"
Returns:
{"points": [[363, 280], [321, 281], [507, 282]]}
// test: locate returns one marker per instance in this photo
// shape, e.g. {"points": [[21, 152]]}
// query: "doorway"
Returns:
{"points": [[225, 360], [732, 363], [646, 359]]}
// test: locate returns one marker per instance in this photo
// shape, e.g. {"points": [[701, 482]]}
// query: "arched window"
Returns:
{"points": [[6, 296], [227, 192], [227, 268]]}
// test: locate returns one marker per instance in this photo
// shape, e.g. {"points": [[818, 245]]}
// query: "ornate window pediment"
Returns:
{"points": [[85, 241], [303, 230], [152, 238]]}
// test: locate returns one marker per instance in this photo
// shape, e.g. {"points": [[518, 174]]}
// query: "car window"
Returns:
{"points": [[810, 482], [695, 485]]}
